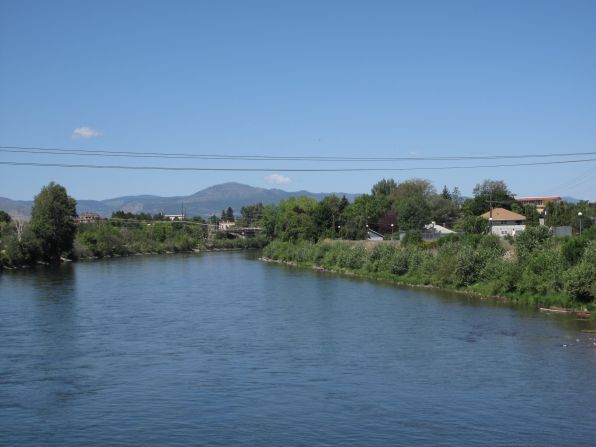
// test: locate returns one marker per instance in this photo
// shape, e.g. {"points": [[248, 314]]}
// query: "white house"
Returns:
{"points": [[434, 231], [225, 225], [372, 235], [504, 222]]}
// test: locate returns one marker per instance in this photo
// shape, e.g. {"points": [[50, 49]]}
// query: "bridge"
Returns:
{"points": [[240, 232]]}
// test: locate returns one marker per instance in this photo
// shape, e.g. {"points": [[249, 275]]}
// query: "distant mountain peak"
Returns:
{"points": [[205, 202]]}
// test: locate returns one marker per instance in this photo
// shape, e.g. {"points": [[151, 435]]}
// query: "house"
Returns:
{"points": [[539, 202], [432, 232], [87, 218], [174, 216], [225, 225], [504, 222], [372, 235]]}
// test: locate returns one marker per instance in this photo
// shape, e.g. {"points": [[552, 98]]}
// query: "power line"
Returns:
{"points": [[165, 155], [190, 168]]}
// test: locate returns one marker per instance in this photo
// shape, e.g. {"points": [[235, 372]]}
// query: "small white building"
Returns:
{"points": [[174, 216], [372, 235], [432, 232], [225, 224], [504, 222]]}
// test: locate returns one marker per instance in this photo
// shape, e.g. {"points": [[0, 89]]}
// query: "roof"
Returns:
{"points": [[438, 228], [373, 235], [503, 214], [546, 199]]}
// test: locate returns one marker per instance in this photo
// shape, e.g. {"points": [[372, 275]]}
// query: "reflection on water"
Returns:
{"points": [[220, 349]]}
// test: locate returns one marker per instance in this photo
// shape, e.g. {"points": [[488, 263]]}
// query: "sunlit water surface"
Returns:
{"points": [[222, 349]]}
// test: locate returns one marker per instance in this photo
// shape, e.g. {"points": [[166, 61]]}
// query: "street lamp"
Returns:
{"points": [[391, 231], [580, 222], [339, 231], [490, 219]]}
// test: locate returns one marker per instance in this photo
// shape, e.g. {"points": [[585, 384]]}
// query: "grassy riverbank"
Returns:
{"points": [[548, 274]]}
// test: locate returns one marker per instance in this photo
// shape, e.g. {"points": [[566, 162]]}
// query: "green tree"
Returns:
{"points": [[528, 210], [4, 217], [268, 219], [250, 214], [230, 214], [472, 225], [485, 193], [445, 193], [456, 197], [368, 209], [444, 211], [295, 219], [52, 221], [327, 215], [414, 187], [384, 187], [412, 200], [213, 220], [354, 228]]}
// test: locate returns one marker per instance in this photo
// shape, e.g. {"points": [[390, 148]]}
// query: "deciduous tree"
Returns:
{"points": [[52, 221]]}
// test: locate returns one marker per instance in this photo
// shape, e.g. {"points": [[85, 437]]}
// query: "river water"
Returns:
{"points": [[222, 349]]}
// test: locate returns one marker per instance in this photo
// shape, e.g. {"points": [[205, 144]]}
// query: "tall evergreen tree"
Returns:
{"points": [[230, 214], [445, 193]]}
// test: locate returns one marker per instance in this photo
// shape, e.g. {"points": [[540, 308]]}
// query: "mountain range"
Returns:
{"points": [[204, 203]]}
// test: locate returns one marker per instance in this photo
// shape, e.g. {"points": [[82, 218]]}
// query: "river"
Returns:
{"points": [[222, 349]]}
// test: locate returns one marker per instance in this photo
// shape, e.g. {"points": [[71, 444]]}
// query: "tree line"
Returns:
{"points": [[52, 235], [407, 206]]}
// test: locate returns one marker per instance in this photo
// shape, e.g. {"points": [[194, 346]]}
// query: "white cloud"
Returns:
{"points": [[85, 132], [277, 179]]}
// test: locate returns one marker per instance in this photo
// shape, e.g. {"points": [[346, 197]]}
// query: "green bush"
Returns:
{"points": [[399, 262], [572, 249], [542, 273], [531, 239], [580, 282], [467, 266], [412, 238]]}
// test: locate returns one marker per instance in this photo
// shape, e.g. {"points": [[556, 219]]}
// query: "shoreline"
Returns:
{"points": [[107, 257], [582, 313]]}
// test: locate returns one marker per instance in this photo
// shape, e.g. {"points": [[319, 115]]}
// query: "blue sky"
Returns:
{"points": [[345, 78]]}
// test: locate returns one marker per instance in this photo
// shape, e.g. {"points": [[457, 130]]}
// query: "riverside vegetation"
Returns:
{"points": [[538, 269], [52, 235], [533, 267]]}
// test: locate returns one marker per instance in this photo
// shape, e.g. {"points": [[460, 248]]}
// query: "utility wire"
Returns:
{"points": [[190, 168], [165, 155]]}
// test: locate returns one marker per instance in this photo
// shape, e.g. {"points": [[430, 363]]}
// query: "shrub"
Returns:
{"points": [[531, 239], [412, 238], [399, 262], [572, 249], [467, 266], [352, 257], [379, 259], [580, 282]]}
